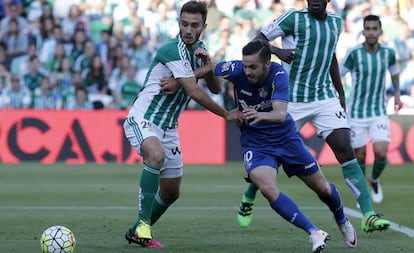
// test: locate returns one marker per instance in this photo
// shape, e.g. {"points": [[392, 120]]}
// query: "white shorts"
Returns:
{"points": [[377, 128], [138, 129], [326, 115]]}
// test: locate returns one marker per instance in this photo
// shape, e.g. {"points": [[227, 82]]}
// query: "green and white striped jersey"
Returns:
{"points": [[368, 70], [172, 59], [315, 41]]}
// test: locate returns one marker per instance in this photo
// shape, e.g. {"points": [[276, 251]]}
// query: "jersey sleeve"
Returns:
{"points": [[347, 64], [175, 58], [228, 70], [392, 63], [280, 85], [282, 26]]}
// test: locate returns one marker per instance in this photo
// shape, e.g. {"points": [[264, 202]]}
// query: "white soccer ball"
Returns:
{"points": [[57, 239]]}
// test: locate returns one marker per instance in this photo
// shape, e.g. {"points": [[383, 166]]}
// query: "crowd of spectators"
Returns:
{"points": [[94, 54]]}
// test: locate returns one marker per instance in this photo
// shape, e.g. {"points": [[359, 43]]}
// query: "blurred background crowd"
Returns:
{"points": [[94, 54]]}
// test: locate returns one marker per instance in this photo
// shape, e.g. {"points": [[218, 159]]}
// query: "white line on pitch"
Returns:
{"points": [[394, 226]]}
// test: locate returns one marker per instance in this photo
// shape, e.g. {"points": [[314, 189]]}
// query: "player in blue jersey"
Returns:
{"points": [[309, 38], [269, 138], [368, 63], [151, 124]]}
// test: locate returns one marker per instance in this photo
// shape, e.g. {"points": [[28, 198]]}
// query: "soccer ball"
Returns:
{"points": [[57, 239]]}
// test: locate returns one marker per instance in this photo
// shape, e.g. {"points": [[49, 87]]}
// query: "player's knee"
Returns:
{"points": [[269, 192], [323, 189], [344, 154], [156, 158], [380, 156]]}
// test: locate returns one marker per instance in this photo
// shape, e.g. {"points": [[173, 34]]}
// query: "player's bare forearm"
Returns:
{"points": [[285, 54], [202, 98], [396, 84], [277, 115], [205, 70], [207, 73], [336, 80], [213, 83], [275, 50]]}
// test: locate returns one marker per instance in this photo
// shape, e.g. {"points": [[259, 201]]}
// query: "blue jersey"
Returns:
{"points": [[248, 95]]}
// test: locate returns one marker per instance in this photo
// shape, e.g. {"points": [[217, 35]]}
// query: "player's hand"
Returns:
{"points": [[286, 55], [169, 85], [203, 55], [236, 116], [397, 104], [252, 115]]}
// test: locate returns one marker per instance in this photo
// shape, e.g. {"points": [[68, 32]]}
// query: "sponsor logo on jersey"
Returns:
{"points": [[247, 93], [226, 66], [341, 114], [309, 165], [187, 66], [279, 73], [263, 92]]}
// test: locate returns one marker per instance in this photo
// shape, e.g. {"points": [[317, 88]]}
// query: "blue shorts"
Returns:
{"points": [[294, 157]]}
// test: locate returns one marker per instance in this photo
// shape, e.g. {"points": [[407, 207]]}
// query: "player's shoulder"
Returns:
{"points": [[170, 48], [358, 47], [277, 69], [386, 48], [289, 13], [333, 15], [233, 68]]}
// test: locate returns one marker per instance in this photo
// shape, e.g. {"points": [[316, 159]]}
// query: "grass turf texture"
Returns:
{"points": [[98, 203]]}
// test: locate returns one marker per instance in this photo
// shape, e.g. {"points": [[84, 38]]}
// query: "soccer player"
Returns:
{"points": [[269, 138], [368, 63], [309, 38], [151, 124]]}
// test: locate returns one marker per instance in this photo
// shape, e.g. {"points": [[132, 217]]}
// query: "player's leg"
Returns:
{"points": [[171, 174], [328, 193], [147, 143], [380, 133], [339, 141], [332, 124], [244, 215], [169, 192], [301, 163], [359, 139], [360, 154], [265, 178], [262, 170]]}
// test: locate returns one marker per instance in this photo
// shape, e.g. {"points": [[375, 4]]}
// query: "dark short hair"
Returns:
{"points": [[372, 18], [195, 7], [258, 46]]}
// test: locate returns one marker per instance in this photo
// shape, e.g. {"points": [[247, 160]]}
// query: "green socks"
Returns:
{"points": [[158, 208], [149, 183], [250, 193], [355, 179], [378, 168], [363, 168]]}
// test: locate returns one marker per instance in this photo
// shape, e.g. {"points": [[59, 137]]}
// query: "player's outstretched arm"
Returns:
{"points": [[203, 99], [170, 85]]}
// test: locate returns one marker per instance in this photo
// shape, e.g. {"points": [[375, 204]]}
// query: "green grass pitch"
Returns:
{"points": [[99, 202]]}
